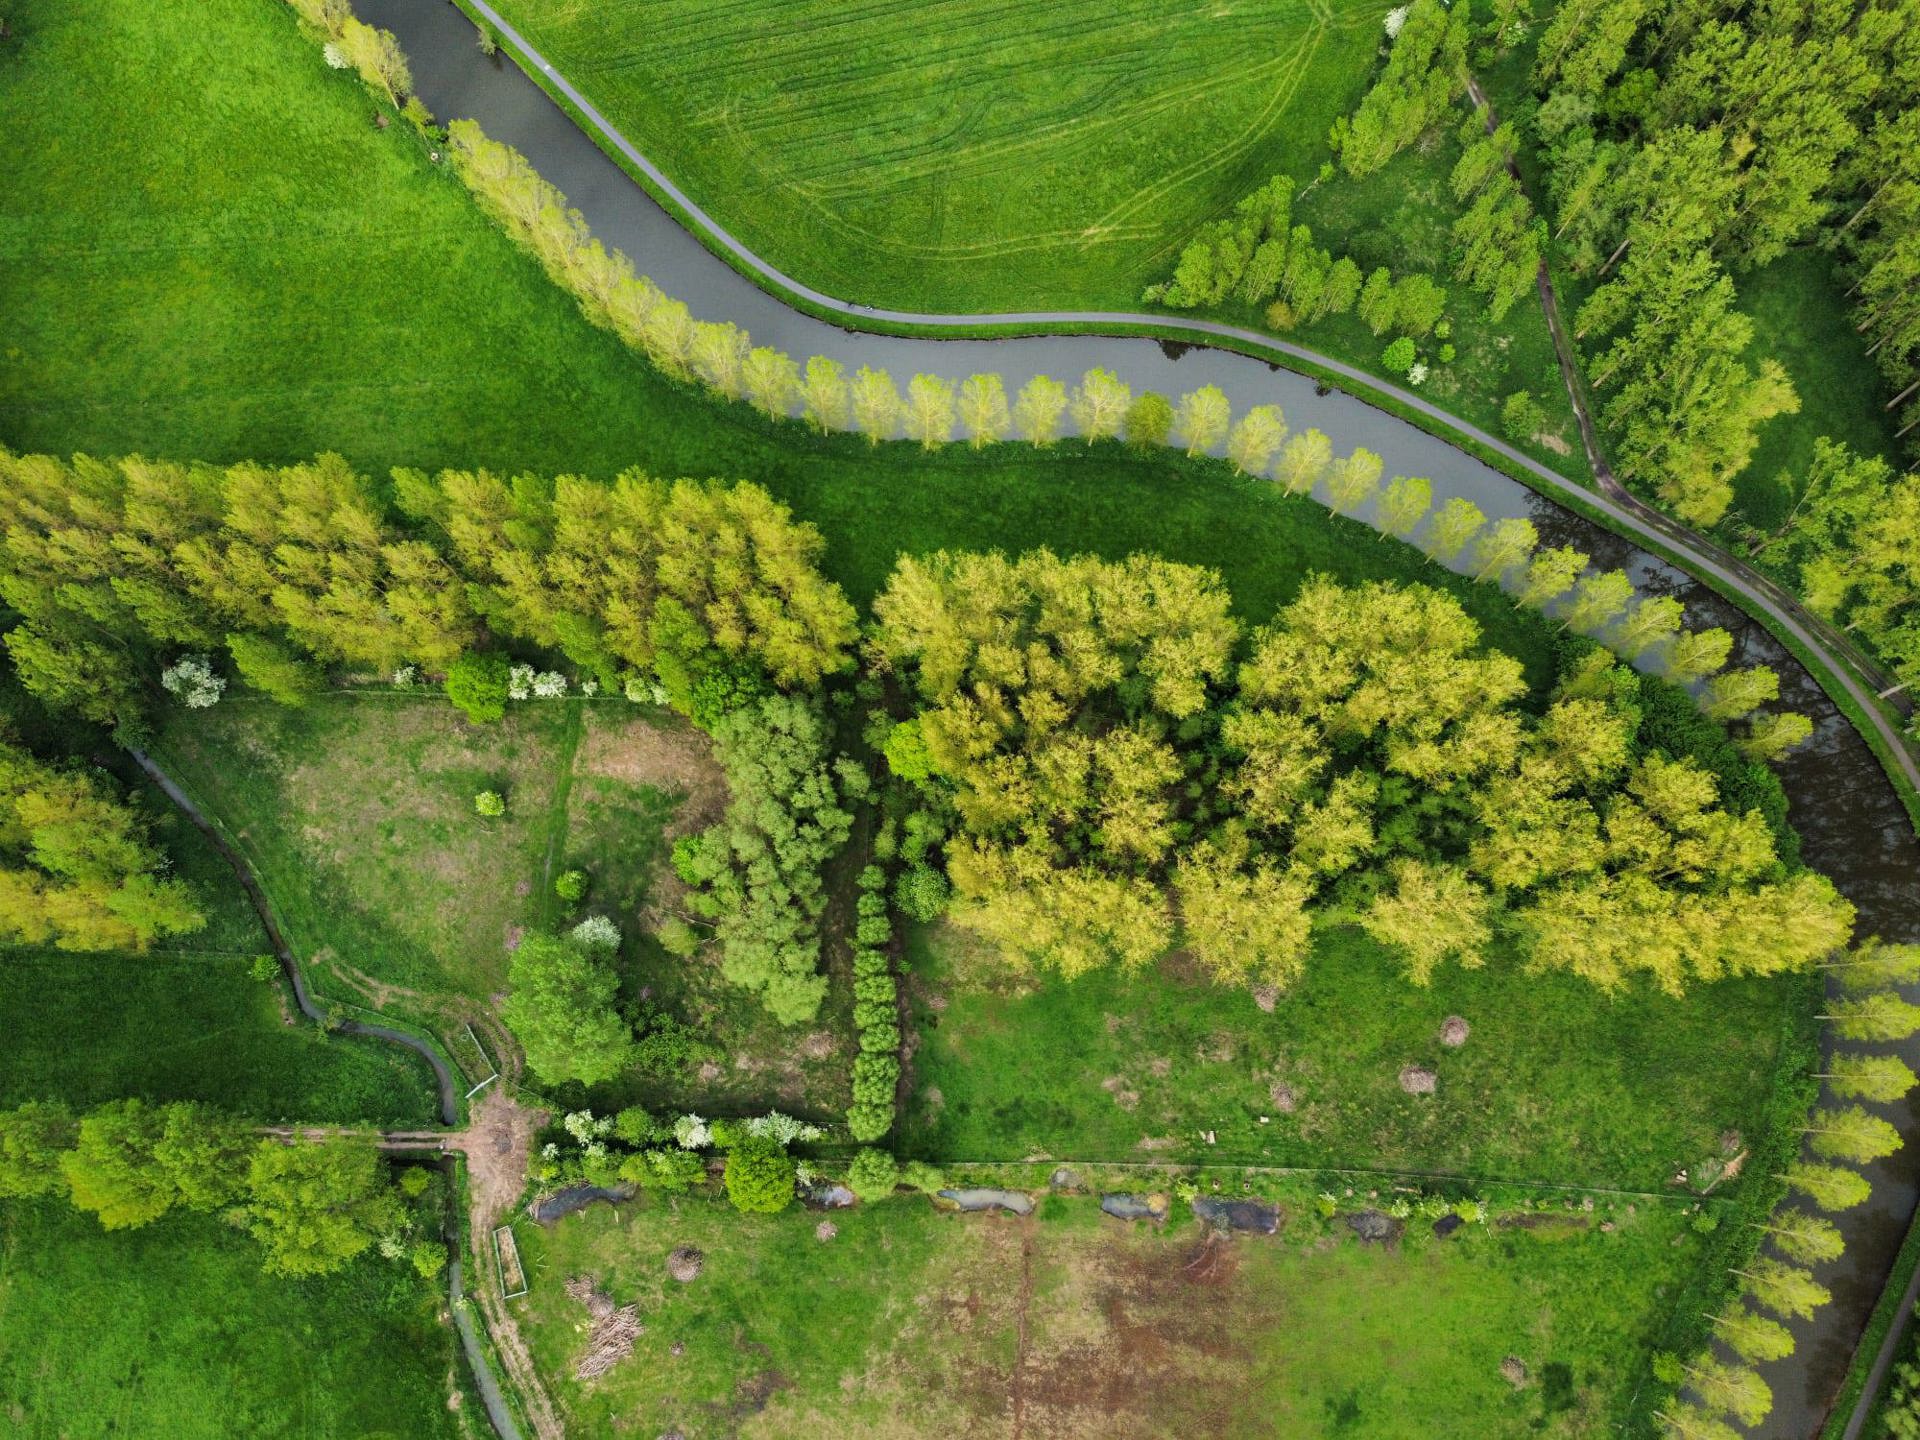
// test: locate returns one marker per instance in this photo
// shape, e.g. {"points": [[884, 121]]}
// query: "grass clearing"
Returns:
{"points": [[173, 1330], [357, 813], [971, 156], [192, 1027], [1800, 318], [909, 1322], [1556, 1082]]}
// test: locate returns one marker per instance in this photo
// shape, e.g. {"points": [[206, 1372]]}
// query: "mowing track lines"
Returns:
{"points": [[923, 159], [1286, 87]]}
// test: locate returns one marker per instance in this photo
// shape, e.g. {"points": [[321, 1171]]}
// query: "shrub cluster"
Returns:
{"points": [[314, 1207], [876, 1012], [757, 874]]}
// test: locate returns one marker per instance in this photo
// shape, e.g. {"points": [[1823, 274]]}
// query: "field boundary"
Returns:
{"points": [[1755, 595]]}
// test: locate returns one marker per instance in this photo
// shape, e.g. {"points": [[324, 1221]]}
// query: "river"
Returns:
{"points": [[1847, 813]]}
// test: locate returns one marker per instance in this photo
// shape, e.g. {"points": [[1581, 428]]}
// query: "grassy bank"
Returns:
{"points": [[1555, 1082]]}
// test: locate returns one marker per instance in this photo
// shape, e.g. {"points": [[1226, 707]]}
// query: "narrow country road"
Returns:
{"points": [[1628, 515]]}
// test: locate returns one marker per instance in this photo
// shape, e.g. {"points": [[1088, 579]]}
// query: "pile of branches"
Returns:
{"points": [[614, 1329]]}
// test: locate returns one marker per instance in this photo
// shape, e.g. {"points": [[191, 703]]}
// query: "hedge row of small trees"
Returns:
{"points": [[1840, 1136], [313, 1206], [876, 1011], [1255, 257]]}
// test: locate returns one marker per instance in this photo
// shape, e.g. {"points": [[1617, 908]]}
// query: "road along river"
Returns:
{"points": [[1853, 825]]}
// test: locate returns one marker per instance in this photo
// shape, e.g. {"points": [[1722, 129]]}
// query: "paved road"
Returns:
{"points": [[1628, 515]]}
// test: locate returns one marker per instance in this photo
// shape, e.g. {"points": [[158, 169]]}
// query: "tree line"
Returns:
{"points": [[1124, 765], [314, 1206], [78, 866], [115, 567], [1256, 257], [1766, 1290]]}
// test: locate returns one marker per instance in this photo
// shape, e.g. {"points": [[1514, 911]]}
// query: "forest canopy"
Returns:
{"points": [[1127, 768]]}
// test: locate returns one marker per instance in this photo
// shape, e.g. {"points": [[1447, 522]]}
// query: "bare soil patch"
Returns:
{"points": [[666, 754]]}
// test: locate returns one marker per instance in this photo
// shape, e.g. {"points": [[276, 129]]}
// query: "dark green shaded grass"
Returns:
{"points": [[173, 1331], [91, 1028], [1557, 1083], [908, 1322], [1800, 318]]}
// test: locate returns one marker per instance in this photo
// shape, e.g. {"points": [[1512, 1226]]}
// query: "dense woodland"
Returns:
{"points": [[1105, 736]]}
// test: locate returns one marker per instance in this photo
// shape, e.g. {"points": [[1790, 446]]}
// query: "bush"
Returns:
{"points": [[636, 1127], [1447, 354], [880, 1039], [429, 1258], [596, 932], [906, 752], [870, 906], [759, 1176], [876, 990], [922, 1176], [870, 1121], [873, 1175], [873, 930], [677, 937], [264, 968], [490, 803], [922, 893], [669, 1171], [869, 962], [477, 684], [1521, 416], [414, 1182], [1399, 356], [571, 886], [872, 879]]}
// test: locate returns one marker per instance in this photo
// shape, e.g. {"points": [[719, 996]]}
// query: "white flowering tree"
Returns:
{"points": [[191, 681]]}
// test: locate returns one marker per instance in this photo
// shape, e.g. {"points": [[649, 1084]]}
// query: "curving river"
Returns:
{"points": [[1852, 824]]}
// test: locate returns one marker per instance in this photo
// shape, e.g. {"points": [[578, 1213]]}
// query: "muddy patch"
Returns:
{"points": [[1374, 1227]]}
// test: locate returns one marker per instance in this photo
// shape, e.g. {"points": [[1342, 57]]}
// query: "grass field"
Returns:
{"points": [[191, 1027], [912, 1323], [973, 155], [357, 813], [172, 1330], [1556, 1082]]}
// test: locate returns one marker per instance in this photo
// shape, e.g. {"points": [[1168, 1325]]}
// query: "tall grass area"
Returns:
{"points": [[1555, 1083], [1083, 1326], [969, 156], [173, 1330], [91, 1028]]}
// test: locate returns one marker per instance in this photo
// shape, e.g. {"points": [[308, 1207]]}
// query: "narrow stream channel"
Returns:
{"points": [[1851, 821]]}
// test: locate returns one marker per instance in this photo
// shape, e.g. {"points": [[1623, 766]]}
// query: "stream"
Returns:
{"points": [[1851, 821]]}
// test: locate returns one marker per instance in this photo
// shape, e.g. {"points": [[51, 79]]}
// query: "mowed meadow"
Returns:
{"points": [[972, 155]]}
